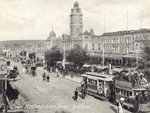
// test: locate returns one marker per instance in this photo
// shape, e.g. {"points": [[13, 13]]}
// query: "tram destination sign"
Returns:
{"points": [[3, 67]]}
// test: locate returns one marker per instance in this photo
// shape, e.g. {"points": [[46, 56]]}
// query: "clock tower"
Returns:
{"points": [[76, 26]]}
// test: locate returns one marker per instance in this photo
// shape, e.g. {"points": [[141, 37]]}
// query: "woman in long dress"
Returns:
{"points": [[120, 109]]}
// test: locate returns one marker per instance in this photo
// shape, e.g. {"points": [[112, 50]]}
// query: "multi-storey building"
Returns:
{"points": [[118, 48]]}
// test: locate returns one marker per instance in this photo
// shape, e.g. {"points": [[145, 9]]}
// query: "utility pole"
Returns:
{"points": [[5, 93], [64, 53], [104, 23], [137, 55], [103, 55]]}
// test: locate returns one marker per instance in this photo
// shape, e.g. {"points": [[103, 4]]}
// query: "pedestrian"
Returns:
{"points": [[57, 73], [48, 78], [120, 109], [135, 104], [76, 95], [83, 91], [2, 109], [63, 73], [44, 76]]}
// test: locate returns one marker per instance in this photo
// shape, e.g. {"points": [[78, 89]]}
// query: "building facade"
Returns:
{"points": [[117, 48]]}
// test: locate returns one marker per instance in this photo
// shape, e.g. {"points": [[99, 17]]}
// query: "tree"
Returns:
{"points": [[146, 56], [32, 55], [78, 56], [23, 53], [53, 55], [146, 62]]}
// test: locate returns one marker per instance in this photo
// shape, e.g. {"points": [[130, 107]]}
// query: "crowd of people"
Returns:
{"points": [[137, 79]]}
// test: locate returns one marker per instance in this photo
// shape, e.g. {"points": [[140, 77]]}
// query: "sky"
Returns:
{"points": [[33, 19]]}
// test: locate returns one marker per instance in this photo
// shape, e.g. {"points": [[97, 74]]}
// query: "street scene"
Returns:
{"points": [[54, 96], [74, 56]]}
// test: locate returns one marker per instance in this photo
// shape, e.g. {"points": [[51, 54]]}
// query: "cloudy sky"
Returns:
{"points": [[33, 19]]}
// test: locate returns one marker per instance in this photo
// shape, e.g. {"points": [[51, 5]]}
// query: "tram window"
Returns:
{"points": [[130, 93], [117, 90], [100, 84], [106, 84], [92, 81], [121, 91], [124, 91]]}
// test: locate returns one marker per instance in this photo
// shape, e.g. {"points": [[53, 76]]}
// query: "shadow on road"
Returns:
{"points": [[15, 112], [114, 109], [14, 80], [62, 112]]}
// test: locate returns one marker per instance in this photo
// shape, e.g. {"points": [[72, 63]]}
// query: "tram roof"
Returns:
{"points": [[140, 89], [98, 76]]}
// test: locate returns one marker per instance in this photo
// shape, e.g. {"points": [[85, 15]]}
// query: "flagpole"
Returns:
{"points": [[104, 23], [141, 21], [127, 21]]}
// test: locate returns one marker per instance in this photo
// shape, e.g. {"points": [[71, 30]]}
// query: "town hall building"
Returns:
{"points": [[119, 48]]}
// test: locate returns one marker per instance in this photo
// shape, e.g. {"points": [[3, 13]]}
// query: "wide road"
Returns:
{"points": [[56, 96]]}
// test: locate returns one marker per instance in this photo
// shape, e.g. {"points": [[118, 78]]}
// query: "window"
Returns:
{"points": [[122, 91], [92, 46], [99, 46], [86, 46], [130, 93], [117, 90], [77, 10], [92, 81], [145, 37]]}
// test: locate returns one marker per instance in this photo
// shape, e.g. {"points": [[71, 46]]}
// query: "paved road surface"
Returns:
{"points": [[56, 96]]}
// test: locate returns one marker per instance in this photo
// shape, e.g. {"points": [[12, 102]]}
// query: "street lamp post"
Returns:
{"points": [[64, 53], [137, 61]]}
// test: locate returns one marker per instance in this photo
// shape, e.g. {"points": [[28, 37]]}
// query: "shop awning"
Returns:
{"points": [[133, 56], [140, 89]]}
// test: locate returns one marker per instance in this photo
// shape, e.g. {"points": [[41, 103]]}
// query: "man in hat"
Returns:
{"points": [[44, 76], [48, 78], [76, 95]]}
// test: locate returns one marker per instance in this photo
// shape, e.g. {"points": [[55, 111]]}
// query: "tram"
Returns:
{"points": [[97, 84], [136, 95]]}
